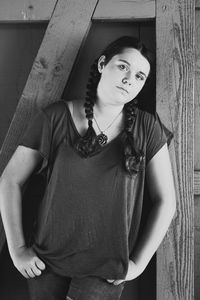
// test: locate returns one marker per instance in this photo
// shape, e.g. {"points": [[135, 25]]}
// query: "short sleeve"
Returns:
{"points": [[157, 136], [38, 136]]}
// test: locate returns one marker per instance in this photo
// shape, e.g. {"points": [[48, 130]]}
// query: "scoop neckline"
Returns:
{"points": [[80, 136]]}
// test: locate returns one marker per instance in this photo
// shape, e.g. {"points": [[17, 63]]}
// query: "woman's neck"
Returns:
{"points": [[106, 110]]}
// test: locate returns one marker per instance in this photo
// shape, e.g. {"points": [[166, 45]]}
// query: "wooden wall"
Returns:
{"points": [[197, 156], [175, 104]]}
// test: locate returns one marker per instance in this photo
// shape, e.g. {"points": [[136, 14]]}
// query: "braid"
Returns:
{"points": [[87, 145], [132, 155]]}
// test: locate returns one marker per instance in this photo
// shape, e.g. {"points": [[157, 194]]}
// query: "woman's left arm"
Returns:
{"points": [[162, 192]]}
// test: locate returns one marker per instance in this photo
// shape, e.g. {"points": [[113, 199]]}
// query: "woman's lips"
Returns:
{"points": [[121, 88]]}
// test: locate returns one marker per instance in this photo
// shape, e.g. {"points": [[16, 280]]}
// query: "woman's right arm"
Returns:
{"points": [[16, 173]]}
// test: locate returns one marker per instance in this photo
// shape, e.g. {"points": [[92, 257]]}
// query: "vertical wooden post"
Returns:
{"points": [[175, 105], [197, 155]]}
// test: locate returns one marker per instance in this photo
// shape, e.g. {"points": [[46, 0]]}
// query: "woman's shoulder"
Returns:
{"points": [[55, 108], [152, 123], [57, 111], [145, 117]]}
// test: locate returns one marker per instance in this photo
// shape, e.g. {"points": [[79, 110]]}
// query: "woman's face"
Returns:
{"points": [[123, 77]]}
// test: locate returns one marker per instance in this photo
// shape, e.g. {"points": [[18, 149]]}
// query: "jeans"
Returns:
{"points": [[50, 286]]}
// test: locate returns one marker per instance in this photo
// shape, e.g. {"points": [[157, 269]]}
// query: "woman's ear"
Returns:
{"points": [[101, 63]]}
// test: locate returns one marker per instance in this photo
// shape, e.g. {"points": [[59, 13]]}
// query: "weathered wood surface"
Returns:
{"points": [[197, 249], [19, 46], [140, 9], [197, 157], [197, 93], [26, 10], [197, 4], [51, 69], [197, 182], [175, 97]]}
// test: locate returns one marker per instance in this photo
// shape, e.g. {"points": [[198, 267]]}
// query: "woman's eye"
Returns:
{"points": [[140, 77], [123, 67]]}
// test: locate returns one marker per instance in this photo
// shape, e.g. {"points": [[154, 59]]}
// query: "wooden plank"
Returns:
{"points": [[26, 10], [175, 104], [197, 182], [125, 10], [197, 156], [197, 247], [197, 4], [197, 93], [51, 69]]}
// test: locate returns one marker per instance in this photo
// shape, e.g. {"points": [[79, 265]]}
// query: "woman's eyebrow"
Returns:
{"points": [[142, 73], [125, 61]]}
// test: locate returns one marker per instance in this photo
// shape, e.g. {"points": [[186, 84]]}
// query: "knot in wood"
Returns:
{"points": [[58, 68], [43, 63]]}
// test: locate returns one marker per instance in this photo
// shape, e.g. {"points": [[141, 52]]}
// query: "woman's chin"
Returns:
{"points": [[122, 100]]}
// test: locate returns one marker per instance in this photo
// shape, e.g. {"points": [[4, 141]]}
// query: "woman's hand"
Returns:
{"points": [[27, 262], [134, 271]]}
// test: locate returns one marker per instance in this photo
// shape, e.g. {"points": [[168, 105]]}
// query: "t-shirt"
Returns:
{"points": [[89, 217]]}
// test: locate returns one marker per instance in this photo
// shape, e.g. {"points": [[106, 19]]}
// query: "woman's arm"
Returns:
{"points": [[162, 192], [18, 170]]}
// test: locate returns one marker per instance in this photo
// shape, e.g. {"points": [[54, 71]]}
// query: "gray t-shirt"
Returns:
{"points": [[90, 214]]}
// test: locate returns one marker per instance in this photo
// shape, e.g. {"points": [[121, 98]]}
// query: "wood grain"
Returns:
{"points": [[175, 105], [197, 157], [197, 248], [26, 11], [197, 92], [50, 71], [197, 183], [112, 10], [197, 4]]}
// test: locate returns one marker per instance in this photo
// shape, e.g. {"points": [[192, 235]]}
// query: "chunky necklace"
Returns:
{"points": [[102, 138]]}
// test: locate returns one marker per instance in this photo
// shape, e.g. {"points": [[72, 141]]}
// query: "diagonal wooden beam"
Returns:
{"points": [[52, 66], [175, 104]]}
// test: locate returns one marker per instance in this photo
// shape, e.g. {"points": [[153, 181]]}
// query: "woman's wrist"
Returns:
{"points": [[16, 249], [141, 265]]}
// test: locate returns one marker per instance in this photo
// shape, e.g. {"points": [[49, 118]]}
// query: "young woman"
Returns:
{"points": [[95, 155]]}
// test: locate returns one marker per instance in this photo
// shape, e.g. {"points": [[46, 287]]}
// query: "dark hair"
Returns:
{"points": [[118, 46], [89, 145]]}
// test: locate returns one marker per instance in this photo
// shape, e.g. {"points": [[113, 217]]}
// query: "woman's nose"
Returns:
{"points": [[125, 80]]}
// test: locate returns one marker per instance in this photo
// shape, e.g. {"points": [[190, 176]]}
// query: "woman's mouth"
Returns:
{"points": [[122, 89]]}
